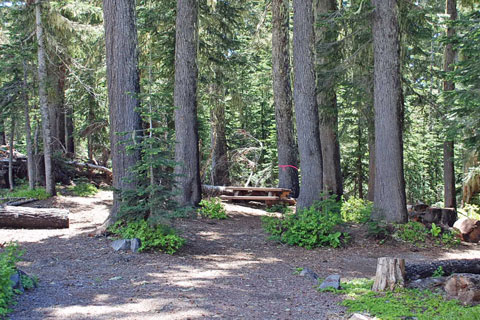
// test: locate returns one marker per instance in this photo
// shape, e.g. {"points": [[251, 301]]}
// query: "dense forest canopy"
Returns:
{"points": [[246, 92]]}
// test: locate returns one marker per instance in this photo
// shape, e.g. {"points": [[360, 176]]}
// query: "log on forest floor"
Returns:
{"points": [[33, 218], [414, 271]]}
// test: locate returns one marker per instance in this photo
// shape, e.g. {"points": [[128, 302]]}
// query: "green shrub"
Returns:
{"points": [[213, 208], [413, 232], [8, 257], [283, 209], [83, 189], [402, 303], [378, 230], [311, 227], [159, 237], [356, 210]]}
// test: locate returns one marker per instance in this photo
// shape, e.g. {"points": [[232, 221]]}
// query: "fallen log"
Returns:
{"points": [[414, 271], [33, 218]]}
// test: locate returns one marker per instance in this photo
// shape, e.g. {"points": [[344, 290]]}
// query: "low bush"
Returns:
{"points": [[470, 211], [8, 257], [159, 237], [417, 234], [213, 208], [83, 189], [356, 210], [402, 303], [315, 226], [281, 208]]}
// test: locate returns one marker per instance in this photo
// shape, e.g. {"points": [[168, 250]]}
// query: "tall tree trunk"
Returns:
{"points": [[306, 104], [61, 105], [10, 155], [327, 99], [28, 131], [220, 174], [123, 90], [42, 92], [69, 141], [390, 203], [3, 139], [448, 146], [282, 96], [185, 101], [360, 160], [371, 163]]}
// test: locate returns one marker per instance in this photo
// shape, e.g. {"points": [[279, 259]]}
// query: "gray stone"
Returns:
{"points": [[122, 244], [332, 281], [306, 272], [16, 281], [135, 244]]}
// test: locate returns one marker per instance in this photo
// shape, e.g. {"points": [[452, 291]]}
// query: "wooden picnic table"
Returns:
{"points": [[270, 196]]}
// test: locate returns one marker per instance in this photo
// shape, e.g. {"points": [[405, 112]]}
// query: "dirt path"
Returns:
{"points": [[228, 270]]}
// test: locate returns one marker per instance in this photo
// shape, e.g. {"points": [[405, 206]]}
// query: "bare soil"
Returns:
{"points": [[228, 270]]}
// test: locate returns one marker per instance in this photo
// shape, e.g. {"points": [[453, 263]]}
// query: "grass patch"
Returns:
{"points": [[25, 192], [402, 303]]}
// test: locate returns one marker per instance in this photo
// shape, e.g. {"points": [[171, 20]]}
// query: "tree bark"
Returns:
{"points": [[3, 139], [327, 99], [448, 146], [220, 174], [42, 92], [69, 141], [10, 156], [390, 274], [123, 90], [33, 218], [282, 96], [371, 164], [28, 131], [187, 170], [306, 105], [390, 202]]}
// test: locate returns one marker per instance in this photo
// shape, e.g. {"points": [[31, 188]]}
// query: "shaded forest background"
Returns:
{"points": [[236, 112]]}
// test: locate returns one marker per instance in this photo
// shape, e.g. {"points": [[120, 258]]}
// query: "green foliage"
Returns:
{"points": [[439, 272], [417, 234], [435, 230], [213, 208], [402, 303], [470, 211], [413, 232], [281, 208], [83, 189], [159, 237], [311, 227], [356, 210], [8, 257], [24, 192], [378, 230]]}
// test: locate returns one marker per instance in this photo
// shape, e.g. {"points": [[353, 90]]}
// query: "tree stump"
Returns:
{"points": [[464, 287], [390, 274], [33, 218]]}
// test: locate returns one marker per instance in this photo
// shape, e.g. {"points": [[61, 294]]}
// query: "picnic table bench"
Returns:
{"points": [[270, 196]]}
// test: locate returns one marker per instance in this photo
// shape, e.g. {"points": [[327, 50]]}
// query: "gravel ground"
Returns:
{"points": [[227, 270]]}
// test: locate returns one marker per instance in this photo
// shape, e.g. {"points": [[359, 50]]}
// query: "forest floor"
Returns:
{"points": [[228, 270]]}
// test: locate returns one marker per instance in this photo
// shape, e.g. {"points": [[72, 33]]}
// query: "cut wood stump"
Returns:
{"points": [[33, 218], [469, 229], [464, 287], [390, 274]]}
